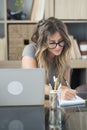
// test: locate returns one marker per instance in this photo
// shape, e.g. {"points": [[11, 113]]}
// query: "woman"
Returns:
{"points": [[50, 50]]}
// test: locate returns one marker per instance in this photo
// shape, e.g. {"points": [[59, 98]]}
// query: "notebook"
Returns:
{"points": [[19, 87], [74, 102]]}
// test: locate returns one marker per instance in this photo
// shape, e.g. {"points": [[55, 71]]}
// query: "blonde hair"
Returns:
{"points": [[44, 29]]}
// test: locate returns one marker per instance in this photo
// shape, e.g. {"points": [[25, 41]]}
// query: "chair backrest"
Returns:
{"points": [[82, 90]]}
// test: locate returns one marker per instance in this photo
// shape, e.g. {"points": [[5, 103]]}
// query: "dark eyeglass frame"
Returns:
{"points": [[58, 43]]}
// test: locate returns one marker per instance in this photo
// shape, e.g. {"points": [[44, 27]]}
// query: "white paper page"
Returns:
{"points": [[74, 102]]}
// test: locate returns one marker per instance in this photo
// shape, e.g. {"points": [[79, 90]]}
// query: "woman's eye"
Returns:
{"points": [[52, 43]]}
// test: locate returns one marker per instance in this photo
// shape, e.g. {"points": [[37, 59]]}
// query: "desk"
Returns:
{"points": [[73, 118], [22, 118], [36, 118]]}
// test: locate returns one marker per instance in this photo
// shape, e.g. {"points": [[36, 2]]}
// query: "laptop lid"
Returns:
{"points": [[20, 87]]}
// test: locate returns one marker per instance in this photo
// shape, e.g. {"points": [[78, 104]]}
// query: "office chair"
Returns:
{"points": [[82, 90]]}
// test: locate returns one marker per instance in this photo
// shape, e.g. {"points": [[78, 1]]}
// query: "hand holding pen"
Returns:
{"points": [[68, 93]]}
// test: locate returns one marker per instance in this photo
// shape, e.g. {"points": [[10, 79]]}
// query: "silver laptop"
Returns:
{"points": [[19, 87]]}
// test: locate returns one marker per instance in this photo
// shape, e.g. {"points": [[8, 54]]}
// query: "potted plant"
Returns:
{"points": [[18, 14], [19, 4]]}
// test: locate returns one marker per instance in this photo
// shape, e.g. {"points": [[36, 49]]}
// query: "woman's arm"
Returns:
{"points": [[28, 62], [67, 93]]}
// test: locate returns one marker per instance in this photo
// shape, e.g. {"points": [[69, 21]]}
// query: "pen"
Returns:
{"points": [[67, 83]]}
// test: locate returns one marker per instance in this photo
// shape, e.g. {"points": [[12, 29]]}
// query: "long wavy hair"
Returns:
{"points": [[44, 30]]}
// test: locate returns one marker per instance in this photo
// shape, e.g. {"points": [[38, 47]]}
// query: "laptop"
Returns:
{"points": [[22, 99], [20, 87]]}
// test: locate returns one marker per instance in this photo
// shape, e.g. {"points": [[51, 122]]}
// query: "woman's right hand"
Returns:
{"points": [[68, 94]]}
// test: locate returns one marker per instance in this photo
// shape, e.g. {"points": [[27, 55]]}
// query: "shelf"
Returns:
{"points": [[78, 63], [10, 64], [74, 20], [2, 21], [21, 21], [65, 9], [16, 32]]}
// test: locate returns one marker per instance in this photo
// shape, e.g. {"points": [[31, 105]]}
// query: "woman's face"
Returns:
{"points": [[55, 45]]}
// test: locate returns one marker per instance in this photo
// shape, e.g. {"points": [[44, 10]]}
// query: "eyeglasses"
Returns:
{"points": [[53, 44]]}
